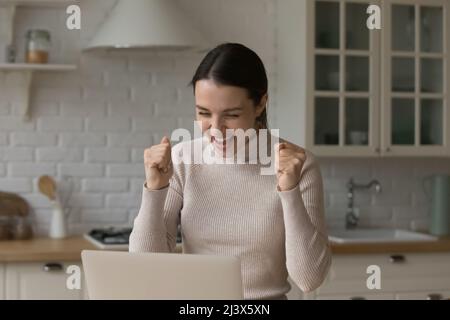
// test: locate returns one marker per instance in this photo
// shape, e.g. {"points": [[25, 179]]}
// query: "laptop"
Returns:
{"points": [[112, 275]]}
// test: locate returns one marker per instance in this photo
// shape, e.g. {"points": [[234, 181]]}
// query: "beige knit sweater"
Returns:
{"points": [[231, 209]]}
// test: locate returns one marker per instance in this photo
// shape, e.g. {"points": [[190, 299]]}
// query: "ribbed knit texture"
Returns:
{"points": [[231, 209]]}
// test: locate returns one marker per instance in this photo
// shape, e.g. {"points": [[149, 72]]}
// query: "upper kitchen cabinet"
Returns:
{"points": [[416, 117], [343, 98], [377, 92]]}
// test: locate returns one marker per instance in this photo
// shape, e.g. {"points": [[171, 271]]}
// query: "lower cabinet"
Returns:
{"points": [[47, 280], [399, 276], [353, 296]]}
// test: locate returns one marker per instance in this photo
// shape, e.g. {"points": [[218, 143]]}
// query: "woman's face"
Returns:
{"points": [[225, 107]]}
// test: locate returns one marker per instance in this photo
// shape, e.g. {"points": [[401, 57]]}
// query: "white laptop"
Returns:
{"points": [[122, 275]]}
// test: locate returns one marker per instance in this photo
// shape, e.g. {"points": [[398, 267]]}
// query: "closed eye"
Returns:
{"points": [[206, 114]]}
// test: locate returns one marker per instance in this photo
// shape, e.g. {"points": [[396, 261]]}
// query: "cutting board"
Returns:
{"points": [[13, 205]]}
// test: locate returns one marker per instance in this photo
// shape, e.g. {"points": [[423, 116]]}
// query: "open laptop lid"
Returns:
{"points": [[168, 276]]}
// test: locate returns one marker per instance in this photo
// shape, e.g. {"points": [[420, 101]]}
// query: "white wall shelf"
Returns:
{"points": [[38, 3], [36, 67], [25, 72]]}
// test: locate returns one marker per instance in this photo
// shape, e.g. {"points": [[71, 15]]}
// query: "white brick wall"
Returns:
{"points": [[81, 170], [86, 200], [105, 185], [3, 139], [94, 123], [125, 170], [108, 155], [130, 139], [17, 154], [19, 169], [16, 184], [57, 154], [58, 124], [33, 139], [79, 140], [108, 124], [11, 123]]}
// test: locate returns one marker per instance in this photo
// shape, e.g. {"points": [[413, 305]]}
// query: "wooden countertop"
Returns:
{"points": [[44, 249], [440, 245], [69, 249]]}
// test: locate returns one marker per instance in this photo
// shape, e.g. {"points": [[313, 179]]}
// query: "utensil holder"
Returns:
{"points": [[58, 226]]}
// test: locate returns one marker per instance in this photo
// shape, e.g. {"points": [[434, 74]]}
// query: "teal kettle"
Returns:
{"points": [[437, 190]]}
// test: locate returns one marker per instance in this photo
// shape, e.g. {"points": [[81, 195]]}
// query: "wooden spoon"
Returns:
{"points": [[47, 186]]}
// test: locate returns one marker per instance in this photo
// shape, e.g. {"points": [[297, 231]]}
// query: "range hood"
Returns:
{"points": [[146, 24]]}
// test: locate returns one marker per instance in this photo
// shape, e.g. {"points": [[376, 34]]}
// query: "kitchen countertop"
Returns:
{"points": [[69, 249], [44, 249], [440, 245]]}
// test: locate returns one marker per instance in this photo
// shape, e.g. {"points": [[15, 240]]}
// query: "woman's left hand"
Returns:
{"points": [[289, 160]]}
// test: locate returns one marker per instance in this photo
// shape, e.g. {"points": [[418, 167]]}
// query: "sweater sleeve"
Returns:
{"points": [[155, 227], [308, 254]]}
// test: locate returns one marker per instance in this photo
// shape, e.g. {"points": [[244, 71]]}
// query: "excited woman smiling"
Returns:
{"points": [[275, 223]]}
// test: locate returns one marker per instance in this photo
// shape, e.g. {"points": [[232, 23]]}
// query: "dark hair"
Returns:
{"points": [[236, 65]]}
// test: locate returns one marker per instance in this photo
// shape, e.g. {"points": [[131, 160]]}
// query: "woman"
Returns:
{"points": [[274, 223]]}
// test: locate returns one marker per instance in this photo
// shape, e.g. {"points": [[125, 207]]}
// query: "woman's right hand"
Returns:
{"points": [[158, 165]]}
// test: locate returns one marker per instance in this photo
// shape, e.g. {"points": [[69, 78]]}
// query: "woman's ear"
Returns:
{"points": [[262, 105]]}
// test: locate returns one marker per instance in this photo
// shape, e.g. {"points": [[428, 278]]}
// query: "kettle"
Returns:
{"points": [[437, 190]]}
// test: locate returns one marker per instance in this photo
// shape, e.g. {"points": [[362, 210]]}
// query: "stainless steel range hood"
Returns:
{"points": [[147, 24]]}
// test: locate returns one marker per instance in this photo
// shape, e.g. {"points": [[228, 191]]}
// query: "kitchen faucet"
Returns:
{"points": [[351, 219]]}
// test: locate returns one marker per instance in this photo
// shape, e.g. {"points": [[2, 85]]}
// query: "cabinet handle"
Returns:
{"points": [[434, 296], [358, 298], [50, 267], [397, 258], [388, 149], [377, 149]]}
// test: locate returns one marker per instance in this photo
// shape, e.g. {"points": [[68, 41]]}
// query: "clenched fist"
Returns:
{"points": [[158, 165], [289, 160]]}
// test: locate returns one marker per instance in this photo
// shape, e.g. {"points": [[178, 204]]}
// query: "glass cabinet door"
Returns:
{"points": [[327, 72], [403, 28], [344, 92], [357, 121], [417, 61], [326, 121], [327, 25], [431, 115], [403, 121]]}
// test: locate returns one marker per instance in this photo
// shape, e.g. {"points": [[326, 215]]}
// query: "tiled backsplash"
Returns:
{"points": [[94, 123], [402, 202]]}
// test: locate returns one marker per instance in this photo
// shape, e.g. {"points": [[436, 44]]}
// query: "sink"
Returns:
{"points": [[371, 235]]}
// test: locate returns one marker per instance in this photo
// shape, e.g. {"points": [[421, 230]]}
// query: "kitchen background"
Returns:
{"points": [[93, 123]]}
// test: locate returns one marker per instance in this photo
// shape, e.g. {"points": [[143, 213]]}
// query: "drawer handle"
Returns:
{"points": [[51, 267], [397, 258], [358, 298], [434, 296]]}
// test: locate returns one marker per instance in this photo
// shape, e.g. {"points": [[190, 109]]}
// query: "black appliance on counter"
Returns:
{"points": [[114, 238]]}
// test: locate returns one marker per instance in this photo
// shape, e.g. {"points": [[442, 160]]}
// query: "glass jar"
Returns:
{"points": [[38, 46], [5, 228], [22, 229]]}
